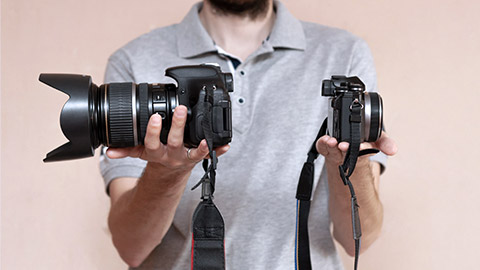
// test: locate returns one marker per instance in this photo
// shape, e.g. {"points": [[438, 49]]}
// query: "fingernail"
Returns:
{"points": [[204, 146], [343, 146], [156, 119], [180, 112]]}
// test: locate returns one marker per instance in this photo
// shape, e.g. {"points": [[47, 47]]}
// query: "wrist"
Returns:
{"points": [[363, 161], [160, 179], [175, 168]]}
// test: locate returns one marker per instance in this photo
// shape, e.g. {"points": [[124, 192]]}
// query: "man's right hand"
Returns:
{"points": [[173, 155], [142, 211]]}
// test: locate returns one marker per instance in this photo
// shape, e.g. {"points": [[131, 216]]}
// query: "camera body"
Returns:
{"points": [[117, 114], [193, 82], [344, 92]]}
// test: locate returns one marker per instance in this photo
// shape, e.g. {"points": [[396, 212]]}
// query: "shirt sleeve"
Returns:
{"points": [[119, 68], [112, 169]]}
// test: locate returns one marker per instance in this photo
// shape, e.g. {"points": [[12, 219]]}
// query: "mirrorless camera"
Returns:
{"points": [[344, 92], [116, 114]]}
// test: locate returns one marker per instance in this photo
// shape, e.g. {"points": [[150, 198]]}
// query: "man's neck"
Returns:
{"points": [[237, 35]]}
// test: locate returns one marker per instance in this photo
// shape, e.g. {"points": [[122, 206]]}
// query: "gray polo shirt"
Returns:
{"points": [[277, 111]]}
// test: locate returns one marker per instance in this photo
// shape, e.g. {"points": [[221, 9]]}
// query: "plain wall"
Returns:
{"points": [[427, 58]]}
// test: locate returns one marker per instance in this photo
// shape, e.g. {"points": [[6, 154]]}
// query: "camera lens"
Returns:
{"points": [[373, 115], [127, 108], [164, 101], [121, 115], [115, 114]]}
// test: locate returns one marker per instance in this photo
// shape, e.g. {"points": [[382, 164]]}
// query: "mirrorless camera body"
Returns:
{"points": [[344, 93], [116, 114]]}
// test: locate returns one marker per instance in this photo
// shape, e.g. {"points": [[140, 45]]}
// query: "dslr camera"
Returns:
{"points": [[344, 93], [116, 114]]}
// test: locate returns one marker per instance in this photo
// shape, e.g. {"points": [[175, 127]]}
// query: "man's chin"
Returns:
{"points": [[245, 8]]}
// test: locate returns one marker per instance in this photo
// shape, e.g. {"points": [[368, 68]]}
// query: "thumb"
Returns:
{"points": [[114, 153], [386, 144]]}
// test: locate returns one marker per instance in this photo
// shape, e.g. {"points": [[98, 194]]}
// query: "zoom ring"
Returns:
{"points": [[143, 110], [120, 117]]}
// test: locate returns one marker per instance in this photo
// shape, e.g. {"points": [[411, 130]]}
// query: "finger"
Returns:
{"points": [[152, 136], [175, 135], [199, 153], [332, 142], [328, 147], [321, 145], [222, 150], [343, 146], [333, 149], [114, 153], [387, 145]]}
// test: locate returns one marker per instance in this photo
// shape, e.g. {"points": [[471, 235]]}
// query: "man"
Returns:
{"points": [[278, 64]]}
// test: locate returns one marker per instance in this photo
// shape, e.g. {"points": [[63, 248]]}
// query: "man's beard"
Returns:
{"points": [[250, 8]]}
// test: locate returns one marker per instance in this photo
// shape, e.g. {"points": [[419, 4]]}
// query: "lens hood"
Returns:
{"points": [[75, 117]]}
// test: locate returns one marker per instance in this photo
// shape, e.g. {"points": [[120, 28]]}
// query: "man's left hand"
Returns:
{"points": [[334, 152]]}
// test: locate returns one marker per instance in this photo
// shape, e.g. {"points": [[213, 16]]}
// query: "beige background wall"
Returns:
{"points": [[427, 56]]}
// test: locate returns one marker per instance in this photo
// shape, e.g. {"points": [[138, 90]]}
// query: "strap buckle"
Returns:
{"points": [[354, 104]]}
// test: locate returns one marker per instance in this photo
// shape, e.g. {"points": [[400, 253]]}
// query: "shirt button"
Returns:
{"points": [[242, 72], [241, 100]]}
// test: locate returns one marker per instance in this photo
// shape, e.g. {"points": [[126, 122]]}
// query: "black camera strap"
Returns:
{"points": [[208, 228], [304, 194], [305, 186]]}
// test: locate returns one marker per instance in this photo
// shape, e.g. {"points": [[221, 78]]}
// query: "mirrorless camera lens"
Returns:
{"points": [[373, 115]]}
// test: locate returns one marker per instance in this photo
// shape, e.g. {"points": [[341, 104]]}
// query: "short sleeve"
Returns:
{"points": [[118, 68], [363, 66], [112, 169]]}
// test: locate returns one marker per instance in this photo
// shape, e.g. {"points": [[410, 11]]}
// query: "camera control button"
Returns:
{"points": [[160, 97]]}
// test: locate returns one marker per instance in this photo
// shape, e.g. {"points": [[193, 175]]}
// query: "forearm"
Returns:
{"points": [[140, 217], [365, 182]]}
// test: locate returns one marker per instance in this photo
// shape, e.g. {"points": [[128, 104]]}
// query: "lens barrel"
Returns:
{"points": [[114, 115], [373, 116], [121, 126], [126, 109]]}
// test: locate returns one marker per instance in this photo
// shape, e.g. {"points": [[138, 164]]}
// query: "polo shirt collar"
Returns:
{"points": [[287, 31], [193, 39]]}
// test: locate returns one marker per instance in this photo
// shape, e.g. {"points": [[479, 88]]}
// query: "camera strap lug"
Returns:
{"points": [[356, 112]]}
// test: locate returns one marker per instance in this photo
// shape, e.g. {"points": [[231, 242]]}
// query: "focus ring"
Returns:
{"points": [[143, 109], [376, 117], [120, 117]]}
